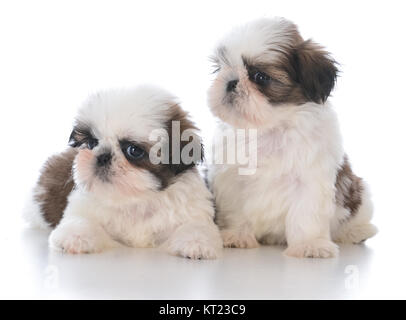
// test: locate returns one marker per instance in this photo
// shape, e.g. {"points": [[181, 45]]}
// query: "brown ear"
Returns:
{"points": [[193, 147], [190, 143], [75, 139], [315, 70], [79, 135]]}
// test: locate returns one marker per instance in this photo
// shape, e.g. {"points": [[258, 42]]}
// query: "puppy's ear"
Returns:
{"points": [[315, 71], [186, 148], [78, 136], [192, 152], [73, 139]]}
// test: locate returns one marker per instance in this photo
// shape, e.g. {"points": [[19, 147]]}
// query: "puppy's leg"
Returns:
{"points": [[195, 240], [78, 233], [357, 227], [308, 223], [79, 236]]}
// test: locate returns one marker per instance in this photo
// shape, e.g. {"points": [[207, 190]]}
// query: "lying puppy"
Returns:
{"points": [[303, 191], [129, 176]]}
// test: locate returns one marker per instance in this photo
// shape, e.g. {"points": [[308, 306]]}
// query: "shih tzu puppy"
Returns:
{"points": [[129, 176], [303, 192]]}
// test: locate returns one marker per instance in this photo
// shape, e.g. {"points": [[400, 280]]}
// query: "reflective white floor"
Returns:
{"points": [[47, 72], [30, 270]]}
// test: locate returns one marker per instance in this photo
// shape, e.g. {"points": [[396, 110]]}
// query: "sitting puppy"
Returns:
{"points": [[303, 191], [129, 176]]}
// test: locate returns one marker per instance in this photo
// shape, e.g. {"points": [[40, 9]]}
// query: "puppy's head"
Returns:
{"points": [[130, 142], [264, 66]]}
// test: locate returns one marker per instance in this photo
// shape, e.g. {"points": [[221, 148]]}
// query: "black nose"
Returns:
{"points": [[231, 85], [104, 159]]}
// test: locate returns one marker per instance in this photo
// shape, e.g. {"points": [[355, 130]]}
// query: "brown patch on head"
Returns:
{"points": [[315, 71], [301, 73], [282, 89], [130, 167], [55, 184], [178, 123], [349, 188]]}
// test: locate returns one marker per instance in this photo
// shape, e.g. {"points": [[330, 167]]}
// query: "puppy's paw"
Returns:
{"points": [[195, 242], [196, 250], [75, 244], [238, 239], [318, 248], [75, 240], [357, 234]]}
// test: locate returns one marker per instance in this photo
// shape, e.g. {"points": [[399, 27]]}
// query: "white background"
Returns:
{"points": [[54, 53]]}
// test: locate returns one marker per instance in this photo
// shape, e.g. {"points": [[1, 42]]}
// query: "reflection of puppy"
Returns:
{"points": [[116, 190], [303, 192]]}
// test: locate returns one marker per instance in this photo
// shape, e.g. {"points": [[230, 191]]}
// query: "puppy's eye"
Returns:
{"points": [[216, 69], [133, 152], [261, 78], [91, 143]]}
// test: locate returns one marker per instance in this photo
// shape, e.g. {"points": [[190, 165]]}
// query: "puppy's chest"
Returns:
{"points": [[273, 144], [138, 227], [268, 190]]}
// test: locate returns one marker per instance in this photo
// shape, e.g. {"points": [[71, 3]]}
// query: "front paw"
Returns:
{"points": [[195, 250], [69, 240], [238, 239], [195, 242], [318, 248]]}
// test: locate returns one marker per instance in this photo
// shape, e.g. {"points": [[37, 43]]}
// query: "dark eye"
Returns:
{"points": [[261, 78], [91, 143], [133, 152], [216, 69]]}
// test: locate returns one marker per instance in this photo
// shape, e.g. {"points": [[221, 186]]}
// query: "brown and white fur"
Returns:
{"points": [[303, 193], [94, 194]]}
